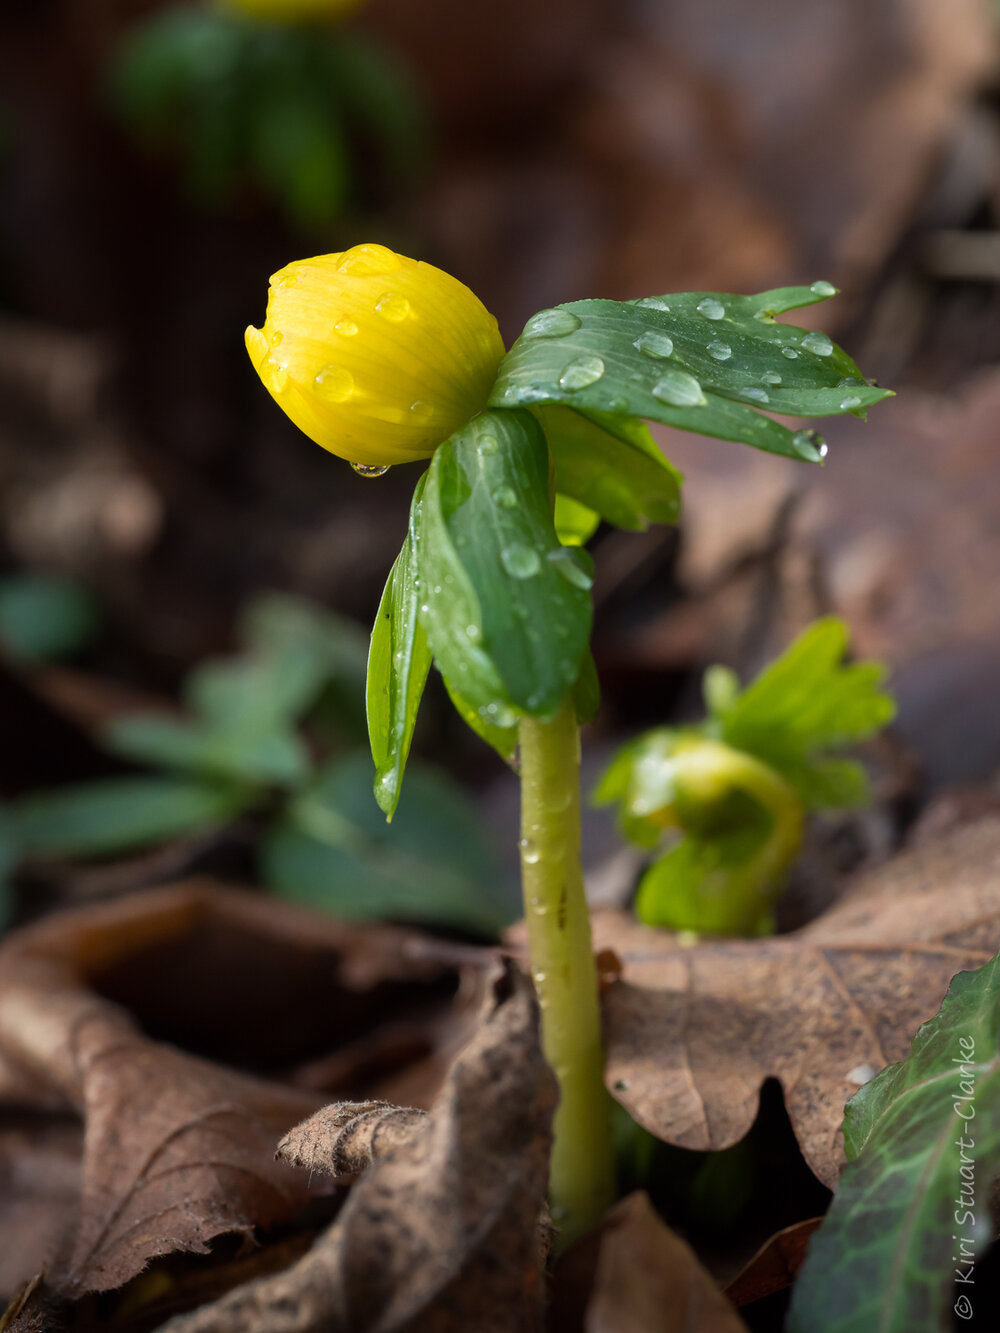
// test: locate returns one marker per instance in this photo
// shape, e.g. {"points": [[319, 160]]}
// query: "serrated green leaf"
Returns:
{"points": [[120, 814], [44, 618], [575, 523], [912, 1206], [698, 361], [506, 608], [433, 864], [271, 757], [612, 465], [398, 663]]}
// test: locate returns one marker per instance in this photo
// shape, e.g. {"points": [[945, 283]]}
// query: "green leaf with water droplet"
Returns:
{"points": [[502, 739], [506, 607], [612, 465], [398, 662], [911, 1215], [767, 366]]}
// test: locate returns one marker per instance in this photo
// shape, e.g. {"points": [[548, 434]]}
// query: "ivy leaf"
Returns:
{"points": [[911, 1212], [506, 608], [398, 663], [698, 361]]}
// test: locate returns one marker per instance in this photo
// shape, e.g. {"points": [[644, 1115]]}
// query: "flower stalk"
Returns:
{"points": [[581, 1182]]}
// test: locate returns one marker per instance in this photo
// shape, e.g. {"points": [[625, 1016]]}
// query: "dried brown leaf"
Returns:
{"points": [[648, 1280], [440, 1233], [344, 1138], [693, 1032], [774, 1266]]}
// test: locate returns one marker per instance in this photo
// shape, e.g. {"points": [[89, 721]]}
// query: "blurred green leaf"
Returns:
{"points": [[398, 662], [44, 618], [271, 757], [612, 465], [587, 691], [507, 609], [9, 856], [575, 523], [912, 1206], [378, 97], [699, 361], [433, 864], [120, 814]]}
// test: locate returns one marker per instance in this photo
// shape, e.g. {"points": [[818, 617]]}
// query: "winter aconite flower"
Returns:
{"points": [[294, 11], [377, 357]]}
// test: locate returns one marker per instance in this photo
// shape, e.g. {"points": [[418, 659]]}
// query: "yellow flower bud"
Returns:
{"points": [[377, 357], [294, 11]]}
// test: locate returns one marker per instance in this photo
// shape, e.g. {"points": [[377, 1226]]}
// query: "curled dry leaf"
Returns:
{"points": [[344, 1138], [693, 1032], [440, 1233], [648, 1280], [774, 1266], [177, 1148]]}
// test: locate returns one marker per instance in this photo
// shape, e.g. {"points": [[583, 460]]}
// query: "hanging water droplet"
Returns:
{"points": [[720, 351], [653, 303], [846, 404], [520, 562], [564, 562], [756, 395], [335, 384], [488, 445], [822, 288], [376, 470], [551, 324], [346, 328], [809, 445], [392, 306], [790, 352], [679, 389], [585, 370], [771, 377], [654, 344], [504, 498], [711, 308], [368, 261], [818, 343]]}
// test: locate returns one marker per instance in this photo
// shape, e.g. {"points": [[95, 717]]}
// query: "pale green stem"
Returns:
{"points": [[581, 1181]]}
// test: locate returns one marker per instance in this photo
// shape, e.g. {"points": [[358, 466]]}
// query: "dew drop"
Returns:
{"points": [[393, 307], [617, 405], [818, 343], [278, 375], [346, 328], [335, 384], [657, 345], [368, 261], [276, 338], [711, 308], [720, 351], [529, 852], [822, 288], [851, 382], [487, 446], [860, 1075], [551, 324], [564, 563], [653, 303], [756, 395], [421, 411], [790, 352], [473, 633], [846, 404], [808, 445], [771, 377], [376, 470], [504, 498], [679, 389], [285, 278], [579, 374], [520, 562]]}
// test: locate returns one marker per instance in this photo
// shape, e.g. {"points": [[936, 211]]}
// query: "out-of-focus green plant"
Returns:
{"points": [[273, 94], [237, 750], [730, 796], [44, 618]]}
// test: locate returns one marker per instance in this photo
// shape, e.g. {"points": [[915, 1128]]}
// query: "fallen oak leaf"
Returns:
{"points": [[440, 1232], [177, 1149], [693, 1032]]}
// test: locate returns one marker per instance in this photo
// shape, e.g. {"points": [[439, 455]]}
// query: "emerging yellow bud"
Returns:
{"points": [[294, 11], [377, 357]]}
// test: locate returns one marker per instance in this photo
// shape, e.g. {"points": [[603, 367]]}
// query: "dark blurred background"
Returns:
{"points": [[572, 148]]}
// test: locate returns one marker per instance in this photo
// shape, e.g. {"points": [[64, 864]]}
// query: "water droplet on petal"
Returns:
{"points": [[654, 344], [584, 371], [277, 378], [809, 445], [505, 498], [679, 389], [368, 261], [276, 338], [564, 562], [421, 411], [394, 307], [551, 324], [846, 404], [520, 562], [653, 303], [756, 395], [285, 278], [487, 446], [720, 351], [335, 384], [711, 308], [771, 377], [376, 470], [822, 288], [818, 343], [346, 328], [790, 352]]}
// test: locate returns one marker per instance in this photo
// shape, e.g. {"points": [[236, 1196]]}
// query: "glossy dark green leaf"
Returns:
{"points": [[120, 814], [612, 465], [699, 361], [44, 618], [275, 756], [398, 662], [911, 1215], [506, 608], [433, 864], [502, 739]]}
